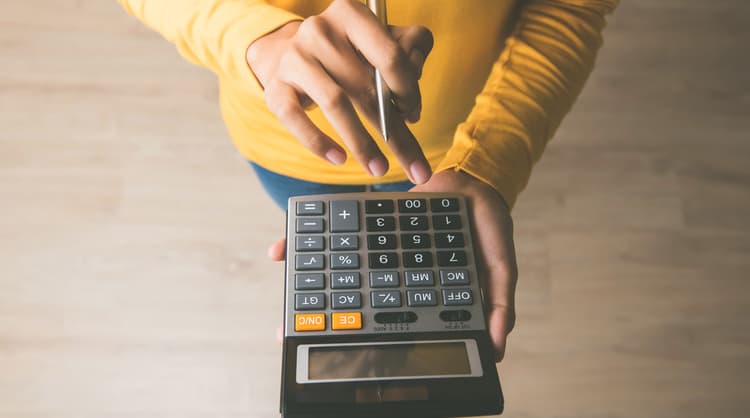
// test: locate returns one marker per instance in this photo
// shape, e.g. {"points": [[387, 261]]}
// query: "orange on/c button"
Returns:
{"points": [[346, 320], [310, 322]]}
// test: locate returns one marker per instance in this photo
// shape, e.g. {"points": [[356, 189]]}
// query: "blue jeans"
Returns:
{"points": [[281, 187]]}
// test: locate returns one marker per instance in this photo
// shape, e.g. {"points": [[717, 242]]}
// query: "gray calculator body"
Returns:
{"points": [[383, 309]]}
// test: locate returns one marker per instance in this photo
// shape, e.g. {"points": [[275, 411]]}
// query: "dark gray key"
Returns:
{"points": [[340, 261], [384, 279], [426, 297], [344, 216], [344, 242], [457, 297], [381, 242], [345, 280], [383, 260], [412, 205], [418, 259], [446, 222], [419, 278], [309, 301], [444, 204], [385, 299], [449, 239], [345, 300], [413, 223], [310, 225], [309, 261], [309, 281], [454, 277], [309, 243], [415, 240], [451, 258], [379, 206], [310, 208]]}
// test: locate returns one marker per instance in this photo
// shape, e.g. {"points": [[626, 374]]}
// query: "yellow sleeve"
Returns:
{"points": [[212, 33], [530, 88]]}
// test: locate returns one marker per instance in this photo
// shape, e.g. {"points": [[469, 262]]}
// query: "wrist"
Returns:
{"points": [[470, 185]]}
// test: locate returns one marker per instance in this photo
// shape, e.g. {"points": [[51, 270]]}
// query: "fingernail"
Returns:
{"points": [[413, 117], [420, 171], [378, 166], [335, 156]]}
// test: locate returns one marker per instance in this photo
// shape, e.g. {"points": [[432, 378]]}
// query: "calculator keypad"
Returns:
{"points": [[362, 263]]}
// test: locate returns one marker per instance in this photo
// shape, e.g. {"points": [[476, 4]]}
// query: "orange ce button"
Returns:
{"points": [[346, 320]]}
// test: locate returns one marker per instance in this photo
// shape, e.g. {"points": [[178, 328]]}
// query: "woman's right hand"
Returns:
{"points": [[329, 60]]}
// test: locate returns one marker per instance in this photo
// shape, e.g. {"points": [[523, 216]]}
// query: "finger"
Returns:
{"points": [[283, 101], [497, 266], [375, 43], [277, 250], [416, 41], [409, 153], [311, 78], [501, 321]]}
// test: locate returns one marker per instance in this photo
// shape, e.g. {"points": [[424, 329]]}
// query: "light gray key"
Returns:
{"points": [[310, 225], [454, 277], [309, 243], [345, 280], [344, 216], [341, 261], [345, 300], [309, 301], [457, 297], [310, 208], [384, 279], [386, 299], [426, 297], [344, 242], [419, 278], [309, 281], [309, 261]]}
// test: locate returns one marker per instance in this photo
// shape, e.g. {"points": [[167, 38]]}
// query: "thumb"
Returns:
{"points": [[501, 321], [277, 250]]}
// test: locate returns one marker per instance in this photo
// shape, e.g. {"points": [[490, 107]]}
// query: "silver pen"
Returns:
{"points": [[384, 95]]}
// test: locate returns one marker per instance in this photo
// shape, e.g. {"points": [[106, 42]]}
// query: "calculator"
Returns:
{"points": [[383, 311]]}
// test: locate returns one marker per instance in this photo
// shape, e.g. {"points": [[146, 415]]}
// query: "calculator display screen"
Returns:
{"points": [[388, 361]]}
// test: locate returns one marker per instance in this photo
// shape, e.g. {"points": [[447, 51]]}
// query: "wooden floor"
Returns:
{"points": [[133, 277]]}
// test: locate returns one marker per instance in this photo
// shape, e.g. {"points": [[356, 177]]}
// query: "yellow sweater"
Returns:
{"points": [[497, 84]]}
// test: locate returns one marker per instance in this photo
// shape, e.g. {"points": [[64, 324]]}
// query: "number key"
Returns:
{"points": [[415, 240], [417, 259], [449, 239], [444, 204], [383, 260], [381, 223], [451, 258], [381, 242], [446, 222], [413, 223], [412, 205]]}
